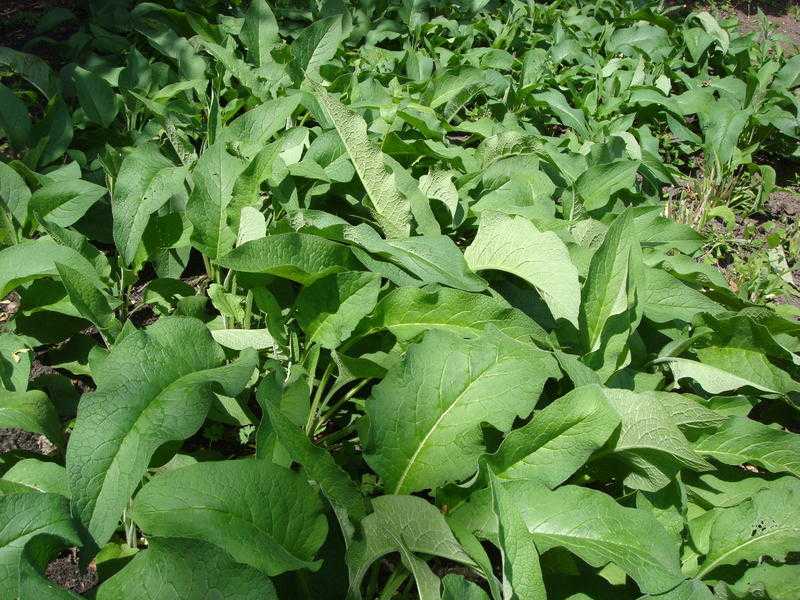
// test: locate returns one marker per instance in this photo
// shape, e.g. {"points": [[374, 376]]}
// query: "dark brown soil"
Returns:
{"points": [[17, 439], [8, 307], [784, 204], [18, 20], [779, 13], [66, 572]]}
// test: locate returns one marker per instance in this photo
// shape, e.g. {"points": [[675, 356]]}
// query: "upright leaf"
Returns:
{"points": [[145, 182], [155, 386], [391, 209]]}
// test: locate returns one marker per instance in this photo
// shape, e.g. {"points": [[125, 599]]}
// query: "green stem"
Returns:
{"points": [[342, 433], [396, 579], [347, 397], [312, 413]]}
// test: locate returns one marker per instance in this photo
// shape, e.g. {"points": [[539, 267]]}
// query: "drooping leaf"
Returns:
{"points": [[515, 245], [590, 524], [23, 516], [262, 514], [559, 439], [742, 440], [174, 569], [96, 97]]}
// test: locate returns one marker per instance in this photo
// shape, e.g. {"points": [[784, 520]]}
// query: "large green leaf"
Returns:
{"points": [[39, 550], [515, 245], [330, 308], [391, 209], [65, 202], [145, 182], [559, 439], [260, 32], [610, 309], [96, 97], [522, 573], [156, 385], [405, 524], [650, 448], [768, 524], [14, 119], [178, 569], [263, 515], [30, 411], [742, 440], [407, 312], [14, 193], [598, 183], [313, 47], [588, 523], [425, 415], [219, 168], [297, 256]]}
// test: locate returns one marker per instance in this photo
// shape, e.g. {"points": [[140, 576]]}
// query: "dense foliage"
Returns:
{"points": [[395, 300]]}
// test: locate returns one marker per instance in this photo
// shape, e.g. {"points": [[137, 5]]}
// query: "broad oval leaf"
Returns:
{"points": [[425, 415], [262, 514], [178, 569], [297, 256]]}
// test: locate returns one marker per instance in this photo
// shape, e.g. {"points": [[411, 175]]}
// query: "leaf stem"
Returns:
{"points": [[312, 413]]}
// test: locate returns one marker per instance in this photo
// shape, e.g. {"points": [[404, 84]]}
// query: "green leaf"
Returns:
{"points": [[431, 258], [96, 97], [259, 32], [65, 202], [14, 193], [297, 256], [219, 168], [320, 466], [33, 69], [155, 386], [742, 440], [313, 47], [515, 245], [425, 415], [330, 308], [241, 339], [555, 101], [559, 439], [650, 447], [24, 516], [178, 569], [40, 476], [726, 369], [609, 302], [390, 208], [767, 524], [590, 524], [405, 524], [146, 181], [30, 411], [14, 119], [406, 312], [522, 574], [598, 183], [91, 303], [262, 514]]}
